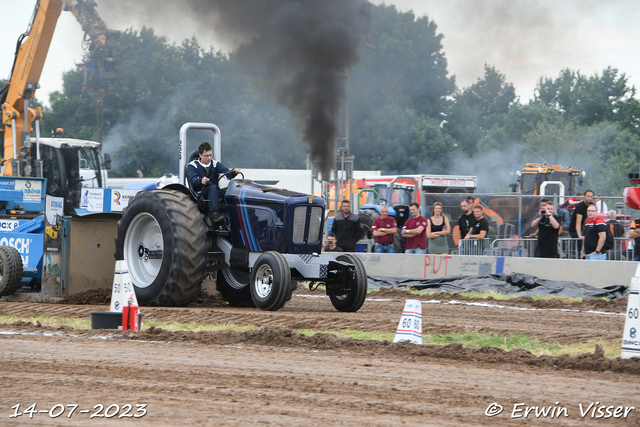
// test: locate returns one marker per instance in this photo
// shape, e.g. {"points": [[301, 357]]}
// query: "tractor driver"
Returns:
{"points": [[203, 177]]}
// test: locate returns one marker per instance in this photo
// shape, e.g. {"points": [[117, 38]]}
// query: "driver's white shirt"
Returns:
{"points": [[212, 163]]}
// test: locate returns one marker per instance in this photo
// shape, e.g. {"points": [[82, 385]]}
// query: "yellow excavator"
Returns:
{"points": [[19, 157], [56, 167]]}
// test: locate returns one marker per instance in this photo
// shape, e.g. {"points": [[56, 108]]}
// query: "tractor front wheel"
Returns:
{"points": [[270, 281], [354, 298]]}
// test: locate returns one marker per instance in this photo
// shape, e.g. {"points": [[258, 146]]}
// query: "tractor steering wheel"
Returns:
{"points": [[224, 175]]}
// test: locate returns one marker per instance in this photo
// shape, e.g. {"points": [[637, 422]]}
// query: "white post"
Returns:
{"points": [[631, 334]]}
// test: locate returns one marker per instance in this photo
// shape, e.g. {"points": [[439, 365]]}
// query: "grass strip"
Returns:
{"points": [[612, 348], [473, 339], [494, 295]]}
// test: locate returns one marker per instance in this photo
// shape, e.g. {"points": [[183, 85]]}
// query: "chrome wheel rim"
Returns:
{"points": [[263, 282], [143, 249]]}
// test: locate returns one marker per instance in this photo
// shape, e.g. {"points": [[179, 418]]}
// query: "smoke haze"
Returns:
{"points": [[299, 49], [529, 39]]}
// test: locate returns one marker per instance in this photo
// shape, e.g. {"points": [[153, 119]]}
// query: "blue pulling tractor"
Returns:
{"points": [[270, 239]]}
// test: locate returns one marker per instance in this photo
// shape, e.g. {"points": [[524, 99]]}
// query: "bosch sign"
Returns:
{"points": [[21, 244]]}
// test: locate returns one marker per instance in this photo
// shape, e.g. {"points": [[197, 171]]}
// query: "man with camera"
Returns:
{"points": [[549, 229], [330, 245]]}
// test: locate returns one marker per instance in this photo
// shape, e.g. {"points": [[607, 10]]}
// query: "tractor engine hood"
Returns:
{"points": [[270, 219]]}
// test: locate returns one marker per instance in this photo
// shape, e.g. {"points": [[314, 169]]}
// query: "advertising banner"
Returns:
{"points": [[52, 257]]}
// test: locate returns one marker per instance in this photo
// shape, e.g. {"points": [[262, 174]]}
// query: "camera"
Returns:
{"points": [[544, 218]]}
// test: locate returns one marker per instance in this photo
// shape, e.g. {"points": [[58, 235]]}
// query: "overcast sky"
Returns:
{"points": [[523, 39]]}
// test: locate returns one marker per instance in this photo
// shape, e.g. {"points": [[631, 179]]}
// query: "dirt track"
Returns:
{"points": [[274, 376]]}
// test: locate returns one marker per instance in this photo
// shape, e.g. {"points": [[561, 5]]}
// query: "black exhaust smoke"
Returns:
{"points": [[301, 49]]}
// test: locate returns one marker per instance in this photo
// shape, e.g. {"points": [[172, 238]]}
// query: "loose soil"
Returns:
{"points": [[272, 375]]}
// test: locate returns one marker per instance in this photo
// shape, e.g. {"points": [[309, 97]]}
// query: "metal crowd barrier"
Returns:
{"points": [[568, 248], [474, 247], [623, 250], [514, 247]]}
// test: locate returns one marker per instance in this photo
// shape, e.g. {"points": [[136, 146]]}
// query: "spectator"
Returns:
{"points": [[634, 233], [384, 229], [330, 244], [571, 202], [437, 229], [617, 230], [478, 231], [534, 234], [595, 234], [466, 220], [614, 225], [601, 206], [549, 228], [579, 218], [414, 231], [566, 208], [347, 227]]}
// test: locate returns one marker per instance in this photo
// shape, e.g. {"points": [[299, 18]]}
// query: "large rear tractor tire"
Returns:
{"points": [[234, 288], [10, 270], [270, 281], [163, 237], [352, 300]]}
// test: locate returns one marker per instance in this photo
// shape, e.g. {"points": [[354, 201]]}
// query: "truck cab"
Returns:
{"points": [[68, 165], [537, 179]]}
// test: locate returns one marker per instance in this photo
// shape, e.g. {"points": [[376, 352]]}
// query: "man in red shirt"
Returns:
{"points": [[384, 228], [414, 231]]}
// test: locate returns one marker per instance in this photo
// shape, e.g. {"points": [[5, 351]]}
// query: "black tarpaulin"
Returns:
{"points": [[514, 283]]}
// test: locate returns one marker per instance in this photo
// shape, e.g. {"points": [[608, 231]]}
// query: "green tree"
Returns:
{"points": [[591, 100], [399, 140], [606, 151], [386, 138], [478, 108], [491, 96], [615, 154], [408, 68], [555, 143], [164, 85], [523, 119], [434, 149], [398, 95]]}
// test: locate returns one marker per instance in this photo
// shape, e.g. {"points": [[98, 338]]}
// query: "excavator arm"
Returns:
{"points": [[102, 44], [32, 47]]}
